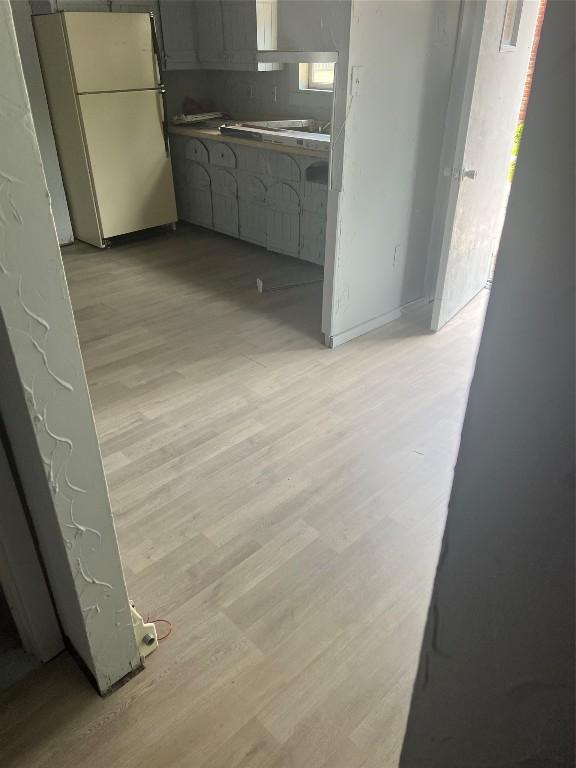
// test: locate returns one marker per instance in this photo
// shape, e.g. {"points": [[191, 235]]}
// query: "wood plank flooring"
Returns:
{"points": [[281, 503]]}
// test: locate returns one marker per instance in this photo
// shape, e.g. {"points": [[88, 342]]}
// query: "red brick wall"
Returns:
{"points": [[536, 40]]}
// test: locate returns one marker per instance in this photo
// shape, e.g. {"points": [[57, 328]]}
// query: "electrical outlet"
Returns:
{"points": [[396, 254]]}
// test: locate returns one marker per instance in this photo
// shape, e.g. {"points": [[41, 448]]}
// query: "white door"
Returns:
{"points": [[487, 89], [111, 51], [130, 166]]}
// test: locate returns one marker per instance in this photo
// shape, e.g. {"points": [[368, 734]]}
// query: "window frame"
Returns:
{"points": [[510, 42], [307, 81]]}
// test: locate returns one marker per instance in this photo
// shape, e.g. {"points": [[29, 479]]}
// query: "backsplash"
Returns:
{"points": [[243, 94]]}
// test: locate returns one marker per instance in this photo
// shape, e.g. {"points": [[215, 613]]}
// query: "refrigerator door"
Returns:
{"points": [[111, 51], [131, 173]]}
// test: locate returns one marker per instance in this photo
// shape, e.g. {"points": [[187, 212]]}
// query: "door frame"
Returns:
{"points": [[464, 70], [21, 573]]}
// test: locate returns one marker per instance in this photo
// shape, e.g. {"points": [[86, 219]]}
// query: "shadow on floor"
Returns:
{"points": [[225, 267]]}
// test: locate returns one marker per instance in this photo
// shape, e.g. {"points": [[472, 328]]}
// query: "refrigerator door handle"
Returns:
{"points": [[161, 87], [156, 47], [162, 92]]}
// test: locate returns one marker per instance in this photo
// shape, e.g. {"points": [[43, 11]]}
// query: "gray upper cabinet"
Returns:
{"points": [[179, 34], [218, 34], [209, 33]]}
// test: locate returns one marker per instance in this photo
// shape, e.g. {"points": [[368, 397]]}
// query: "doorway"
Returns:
{"points": [[492, 75]]}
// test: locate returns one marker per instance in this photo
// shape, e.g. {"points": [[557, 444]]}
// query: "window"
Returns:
{"points": [[511, 25], [316, 77]]}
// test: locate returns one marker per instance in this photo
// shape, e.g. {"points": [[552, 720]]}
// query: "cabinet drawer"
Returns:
{"points": [[222, 155], [195, 150]]}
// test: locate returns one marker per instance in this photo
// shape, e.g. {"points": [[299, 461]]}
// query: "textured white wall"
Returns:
{"points": [[496, 679], [44, 399]]}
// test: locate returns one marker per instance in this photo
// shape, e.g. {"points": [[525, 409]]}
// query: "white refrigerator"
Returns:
{"points": [[101, 74]]}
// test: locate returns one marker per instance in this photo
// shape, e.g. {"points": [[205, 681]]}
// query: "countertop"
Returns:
{"points": [[214, 135]]}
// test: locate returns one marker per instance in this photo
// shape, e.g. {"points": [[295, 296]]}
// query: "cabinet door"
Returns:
{"points": [[225, 202], [282, 166], [178, 31], [178, 157], [199, 195], [252, 208], [314, 198], [313, 237], [239, 28], [209, 33], [283, 219], [222, 155]]}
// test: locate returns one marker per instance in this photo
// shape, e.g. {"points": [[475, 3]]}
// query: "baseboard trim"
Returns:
{"points": [[414, 306], [363, 328]]}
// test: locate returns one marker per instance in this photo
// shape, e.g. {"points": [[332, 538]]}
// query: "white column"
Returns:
{"points": [[44, 399]]}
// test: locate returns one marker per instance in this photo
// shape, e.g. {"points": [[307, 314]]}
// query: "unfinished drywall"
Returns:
{"points": [[460, 268], [399, 67], [495, 684], [44, 399], [33, 76]]}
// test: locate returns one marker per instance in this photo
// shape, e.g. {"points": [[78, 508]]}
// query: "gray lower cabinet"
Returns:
{"points": [[225, 202], [252, 208], [261, 196], [199, 195], [283, 219]]}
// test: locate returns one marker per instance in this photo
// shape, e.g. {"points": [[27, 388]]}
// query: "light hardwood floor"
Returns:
{"points": [[281, 503]]}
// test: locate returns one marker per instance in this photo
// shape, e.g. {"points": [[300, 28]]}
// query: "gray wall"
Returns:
{"points": [[495, 684], [41, 116], [44, 399], [394, 129]]}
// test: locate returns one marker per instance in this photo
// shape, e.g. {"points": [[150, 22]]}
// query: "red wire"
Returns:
{"points": [[162, 621]]}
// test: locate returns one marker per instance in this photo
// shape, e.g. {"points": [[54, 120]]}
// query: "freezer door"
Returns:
{"points": [[111, 51], [131, 173]]}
